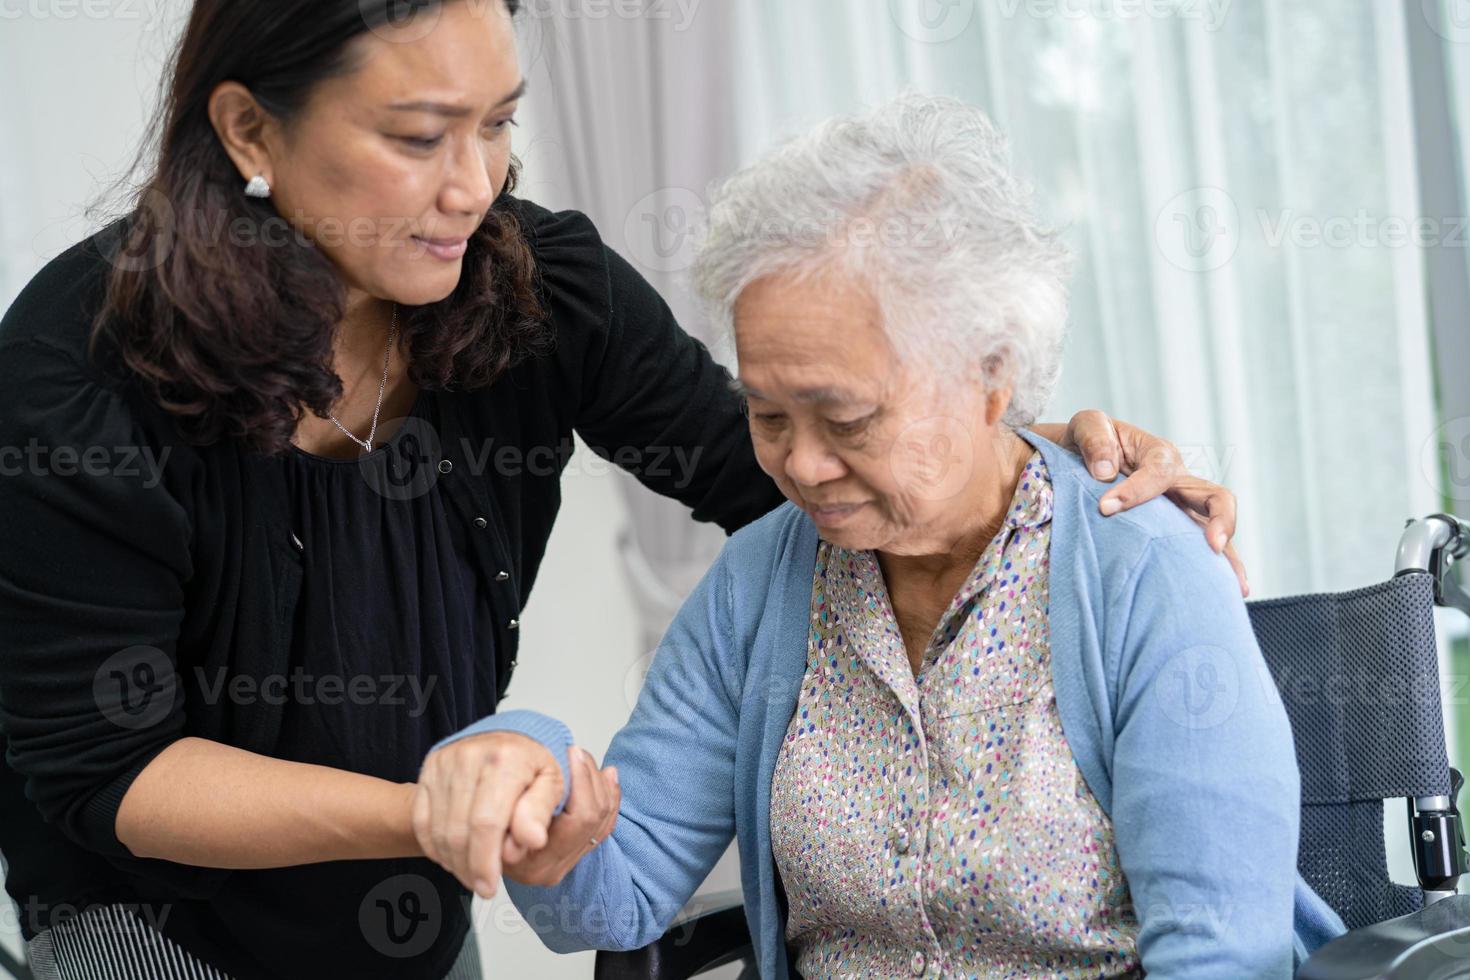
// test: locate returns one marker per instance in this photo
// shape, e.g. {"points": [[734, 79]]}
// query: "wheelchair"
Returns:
{"points": [[1358, 673]]}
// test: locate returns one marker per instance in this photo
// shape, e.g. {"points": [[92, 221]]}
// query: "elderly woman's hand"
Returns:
{"points": [[590, 815], [1153, 466], [476, 794]]}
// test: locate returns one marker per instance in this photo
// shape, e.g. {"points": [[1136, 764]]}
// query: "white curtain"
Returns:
{"points": [[623, 123], [1231, 177]]}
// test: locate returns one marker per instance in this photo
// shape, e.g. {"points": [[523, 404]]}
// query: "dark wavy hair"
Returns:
{"points": [[234, 339]]}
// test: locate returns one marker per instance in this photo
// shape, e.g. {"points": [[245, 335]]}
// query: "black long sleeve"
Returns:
{"points": [[645, 394], [92, 576]]}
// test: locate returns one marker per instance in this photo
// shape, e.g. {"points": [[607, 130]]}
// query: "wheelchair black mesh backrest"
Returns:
{"points": [[1359, 675], [1358, 672]]}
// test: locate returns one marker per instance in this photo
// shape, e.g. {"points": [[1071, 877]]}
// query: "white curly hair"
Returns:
{"points": [[917, 201]]}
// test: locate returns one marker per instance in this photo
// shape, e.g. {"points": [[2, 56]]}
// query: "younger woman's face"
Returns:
{"points": [[390, 169]]}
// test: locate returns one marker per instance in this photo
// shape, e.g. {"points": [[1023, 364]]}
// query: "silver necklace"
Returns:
{"points": [[383, 386]]}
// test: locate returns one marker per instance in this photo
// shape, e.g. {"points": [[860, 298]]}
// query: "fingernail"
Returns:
{"points": [[1220, 542], [1103, 469], [614, 771], [482, 888], [1111, 505]]}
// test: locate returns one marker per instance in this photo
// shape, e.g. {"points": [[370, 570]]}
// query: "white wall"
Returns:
{"points": [[77, 91]]}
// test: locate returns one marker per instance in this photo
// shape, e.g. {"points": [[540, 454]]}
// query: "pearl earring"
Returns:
{"points": [[258, 187]]}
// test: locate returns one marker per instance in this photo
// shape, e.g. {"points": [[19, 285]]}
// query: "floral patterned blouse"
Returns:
{"points": [[937, 825]]}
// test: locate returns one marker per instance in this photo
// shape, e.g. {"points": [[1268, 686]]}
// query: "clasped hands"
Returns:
{"points": [[484, 807]]}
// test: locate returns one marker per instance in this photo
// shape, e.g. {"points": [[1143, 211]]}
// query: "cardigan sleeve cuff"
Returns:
{"points": [[99, 814], [96, 830], [555, 736]]}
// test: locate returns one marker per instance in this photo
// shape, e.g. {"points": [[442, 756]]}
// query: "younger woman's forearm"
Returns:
{"points": [[213, 805]]}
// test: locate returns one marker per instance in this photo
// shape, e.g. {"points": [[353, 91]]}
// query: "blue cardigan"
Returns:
{"points": [[1163, 694]]}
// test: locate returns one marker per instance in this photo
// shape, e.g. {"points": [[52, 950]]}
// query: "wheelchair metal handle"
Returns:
{"points": [[1433, 544]]}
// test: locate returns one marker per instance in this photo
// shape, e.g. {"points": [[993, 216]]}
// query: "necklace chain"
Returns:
{"points": [[382, 387]]}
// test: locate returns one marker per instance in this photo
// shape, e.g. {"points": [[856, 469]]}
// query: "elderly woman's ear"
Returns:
{"points": [[1152, 466], [997, 400]]}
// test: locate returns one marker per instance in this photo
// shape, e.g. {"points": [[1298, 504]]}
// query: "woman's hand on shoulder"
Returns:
{"points": [[1153, 466]]}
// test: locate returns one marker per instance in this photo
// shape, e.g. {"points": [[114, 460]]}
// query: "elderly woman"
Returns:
{"points": [[959, 722]]}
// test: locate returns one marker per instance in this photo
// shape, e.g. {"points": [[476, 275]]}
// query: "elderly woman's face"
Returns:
{"points": [[409, 150], [879, 458]]}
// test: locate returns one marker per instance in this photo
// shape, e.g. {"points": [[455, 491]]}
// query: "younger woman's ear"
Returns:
{"points": [[240, 124]]}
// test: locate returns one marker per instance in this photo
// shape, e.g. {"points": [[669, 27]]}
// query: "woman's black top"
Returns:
{"points": [[344, 613]]}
